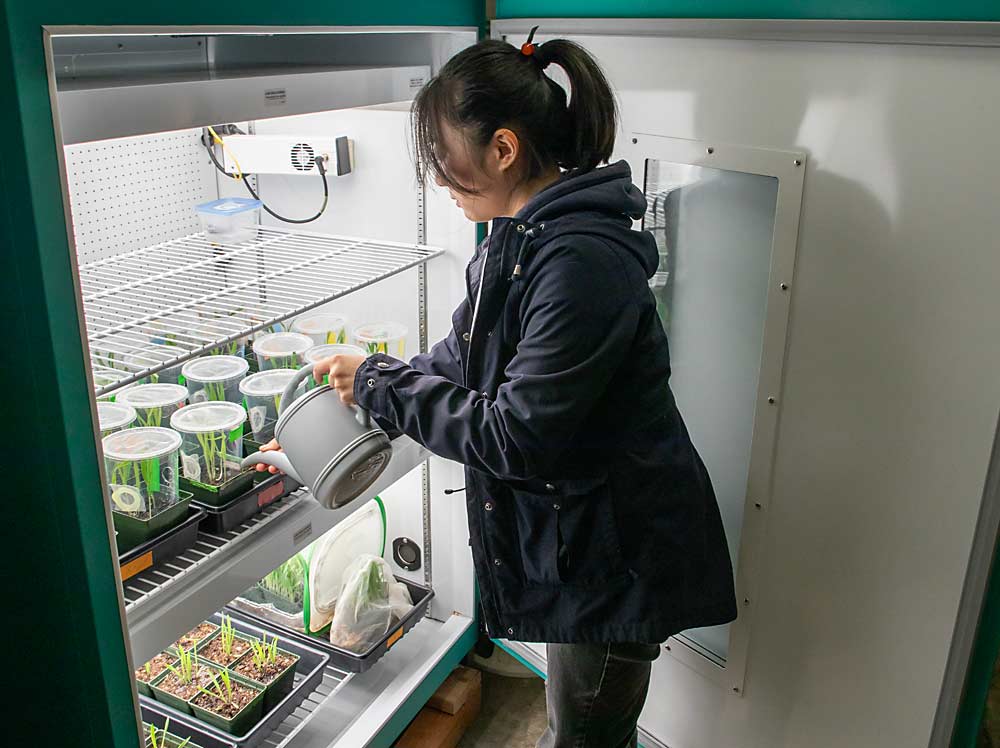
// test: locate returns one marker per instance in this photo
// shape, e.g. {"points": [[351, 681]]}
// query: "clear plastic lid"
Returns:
{"points": [[267, 383], [141, 443], [319, 322], [153, 395], [282, 344], [204, 417], [215, 368], [380, 332], [114, 415], [319, 352], [228, 206]]}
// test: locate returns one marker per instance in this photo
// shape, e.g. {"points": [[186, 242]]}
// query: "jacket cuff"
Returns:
{"points": [[372, 379]]}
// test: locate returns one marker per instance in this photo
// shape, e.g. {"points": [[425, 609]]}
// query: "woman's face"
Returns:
{"points": [[489, 173]]}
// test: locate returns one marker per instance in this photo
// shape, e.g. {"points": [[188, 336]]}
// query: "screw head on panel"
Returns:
{"points": [[757, 505], [770, 400], [783, 286], [797, 162], [710, 150], [736, 689], [635, 140]]}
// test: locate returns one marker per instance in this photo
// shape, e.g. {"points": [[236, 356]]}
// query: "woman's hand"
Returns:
{"points": [[271, 446], [342, 370]]}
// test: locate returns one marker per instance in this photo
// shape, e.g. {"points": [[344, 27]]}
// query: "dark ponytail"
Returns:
{"points": [[493, 85]]}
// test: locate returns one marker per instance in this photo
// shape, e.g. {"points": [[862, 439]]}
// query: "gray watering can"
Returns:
{"points": [[335, 450]]}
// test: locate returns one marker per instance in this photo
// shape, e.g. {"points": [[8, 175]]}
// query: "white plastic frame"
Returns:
{"points": [[788, 167]]}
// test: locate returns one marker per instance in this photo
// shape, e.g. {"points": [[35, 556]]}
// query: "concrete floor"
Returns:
{"points": [[512, 713]]}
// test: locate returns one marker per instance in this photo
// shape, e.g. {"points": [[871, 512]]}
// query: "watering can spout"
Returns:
{"points": [[275, 459]]}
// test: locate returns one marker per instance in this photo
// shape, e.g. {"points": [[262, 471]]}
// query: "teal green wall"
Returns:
{"points": [[62, 638], [958, 10]]}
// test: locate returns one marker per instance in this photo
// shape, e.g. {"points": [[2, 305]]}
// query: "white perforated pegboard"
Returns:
{"points": [[135, 192]]}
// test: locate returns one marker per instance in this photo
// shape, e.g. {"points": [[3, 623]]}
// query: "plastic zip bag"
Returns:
{"points": [[370, 603]]}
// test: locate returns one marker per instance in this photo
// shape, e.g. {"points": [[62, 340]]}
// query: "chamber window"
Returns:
{"points": [[714, 231]]}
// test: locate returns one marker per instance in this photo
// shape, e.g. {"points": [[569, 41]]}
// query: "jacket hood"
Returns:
{"points": [[601, 202]]}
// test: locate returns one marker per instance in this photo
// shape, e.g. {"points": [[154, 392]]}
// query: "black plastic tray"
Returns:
{"points": [[154, 714], [234, 513], [345, 659], [163, 547], [308, 676]]}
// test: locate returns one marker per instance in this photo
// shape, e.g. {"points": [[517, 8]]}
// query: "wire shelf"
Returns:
{"points": [[194, 295], [146, 585]]}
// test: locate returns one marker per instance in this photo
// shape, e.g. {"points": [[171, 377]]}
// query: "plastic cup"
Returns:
{"points": [[262, 396], [317, 353], [212, 441], [110, 351], [103, 377], [153, 403], [152, 355], [382, 337], [114, 417], [141, 469], [322, 327], [282, 350], [215, 378]]}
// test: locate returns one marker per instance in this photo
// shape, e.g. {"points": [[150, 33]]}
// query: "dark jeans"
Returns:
{"points": [[594, 693]]}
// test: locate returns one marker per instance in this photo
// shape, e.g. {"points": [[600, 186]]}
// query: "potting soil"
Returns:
{"points": [[195, 635], [213, 650], [202, 678], [242, 695], [269, 672], [156, 666]]}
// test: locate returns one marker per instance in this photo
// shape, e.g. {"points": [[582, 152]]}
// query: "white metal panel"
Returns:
{"points": [[890, 385], [131, 193]]}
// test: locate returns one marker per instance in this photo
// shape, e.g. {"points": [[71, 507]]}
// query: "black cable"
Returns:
{"points": [[322, 173]]}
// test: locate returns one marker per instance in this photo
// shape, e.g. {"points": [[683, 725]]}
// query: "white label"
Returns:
{"points": [[275, 96], [190, 467], [258, 415], [416, 82]]}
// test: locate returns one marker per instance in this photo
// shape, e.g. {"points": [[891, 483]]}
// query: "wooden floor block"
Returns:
{"points": [[456, 690], [436, 729]]}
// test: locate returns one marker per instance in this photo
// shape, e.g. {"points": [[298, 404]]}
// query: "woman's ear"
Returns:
{"points": [[505, 147]]}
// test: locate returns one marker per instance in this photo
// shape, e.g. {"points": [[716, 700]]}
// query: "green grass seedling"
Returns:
{"points": [[158, 739], [222, 687], [264, 653], [187, 665]]}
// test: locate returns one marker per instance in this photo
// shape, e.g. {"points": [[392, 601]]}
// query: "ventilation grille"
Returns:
{"points": [[303, 157]]}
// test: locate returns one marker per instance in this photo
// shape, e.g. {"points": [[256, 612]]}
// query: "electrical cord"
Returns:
{"points": [[241, 177]]}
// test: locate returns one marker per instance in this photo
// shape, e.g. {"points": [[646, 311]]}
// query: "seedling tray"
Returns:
{"points": [[234, 513], [345, 659], [308, 676], [154, 714], [131, 532], [219, 495], [163, 547]]}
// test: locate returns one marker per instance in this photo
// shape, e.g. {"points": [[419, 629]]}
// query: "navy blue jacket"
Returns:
{"points": [[591, 515]]}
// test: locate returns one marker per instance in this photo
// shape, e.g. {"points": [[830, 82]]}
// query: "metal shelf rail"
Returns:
{"points": [[197, 295]]}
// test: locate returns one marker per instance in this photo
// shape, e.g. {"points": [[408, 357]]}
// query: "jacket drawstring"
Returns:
{"points": [[529, 234]]}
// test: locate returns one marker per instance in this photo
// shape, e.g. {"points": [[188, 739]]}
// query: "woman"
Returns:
{"points": [[593, 522]]}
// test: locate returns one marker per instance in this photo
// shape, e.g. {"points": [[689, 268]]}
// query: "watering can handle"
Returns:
{"points": [[273, 458], [288, 395]]}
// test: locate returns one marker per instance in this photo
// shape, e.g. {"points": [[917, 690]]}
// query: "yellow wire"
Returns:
{"points": [[220, 141]]}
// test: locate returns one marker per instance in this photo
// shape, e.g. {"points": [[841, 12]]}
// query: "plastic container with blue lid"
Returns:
{"points": [[230, 219]]}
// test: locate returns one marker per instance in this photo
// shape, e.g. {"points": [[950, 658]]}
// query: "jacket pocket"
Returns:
{"points": [[569, 535]]}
